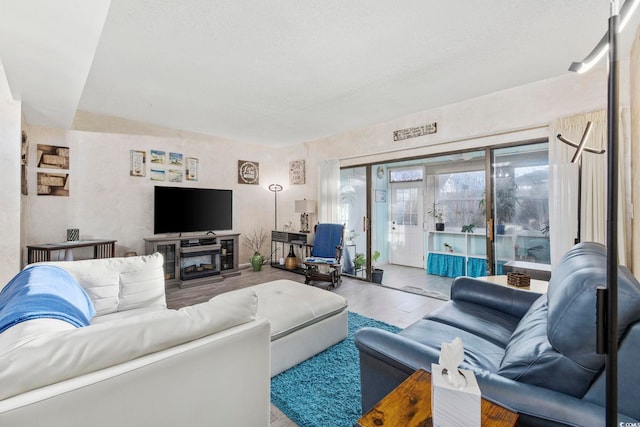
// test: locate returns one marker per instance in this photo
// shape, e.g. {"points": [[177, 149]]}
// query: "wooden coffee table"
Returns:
{"points": [[409, 405]]}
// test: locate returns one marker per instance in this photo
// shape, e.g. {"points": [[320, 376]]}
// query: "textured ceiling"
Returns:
{"points": [[280, 72]]}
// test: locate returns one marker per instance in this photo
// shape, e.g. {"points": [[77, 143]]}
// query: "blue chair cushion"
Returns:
{"points": [[328, 236]]}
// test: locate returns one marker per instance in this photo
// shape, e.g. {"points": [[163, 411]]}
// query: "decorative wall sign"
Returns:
{"points": [[429, 128], [53, 184], [53, 157], [175, 159], [381, 196], [158, 157], [248, 172], [138, 165], [192, 169], [296, 172]]}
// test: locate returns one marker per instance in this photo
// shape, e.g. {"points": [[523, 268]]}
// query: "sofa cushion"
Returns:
{"points": [[479, 354], [24, 332], [116, 284], [118, 315], [571, 324], [60, 355], [493, 325], [291, 306], [530, 358]]}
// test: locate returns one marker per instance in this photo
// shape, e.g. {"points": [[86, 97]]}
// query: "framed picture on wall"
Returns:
{"points": [[53, 157], [248, 172], [381, 196], [53, 184], [192, 169], [157, 174], [158, 157], [296, 172], [175, 159], [138, 163], [175, 175]]}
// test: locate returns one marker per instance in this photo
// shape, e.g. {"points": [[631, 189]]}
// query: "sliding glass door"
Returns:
{"points": [[520, 178], [471, 213], [354, 214]]}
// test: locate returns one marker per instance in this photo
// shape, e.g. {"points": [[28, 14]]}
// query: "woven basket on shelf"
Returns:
{"points": [[519, 280]]}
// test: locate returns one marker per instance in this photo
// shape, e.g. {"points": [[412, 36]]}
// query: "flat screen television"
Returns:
{"points": [[183, 210]]}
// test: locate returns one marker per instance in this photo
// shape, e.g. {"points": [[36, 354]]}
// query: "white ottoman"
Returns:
{"points": [[304, 320]]}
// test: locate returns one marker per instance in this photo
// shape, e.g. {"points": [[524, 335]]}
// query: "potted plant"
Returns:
{"points": [[254, 241], [376, 274], [468, 228], [359, 261], [438, 215]]}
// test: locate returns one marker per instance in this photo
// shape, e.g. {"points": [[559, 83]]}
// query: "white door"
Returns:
{"points": [[406, 234]]}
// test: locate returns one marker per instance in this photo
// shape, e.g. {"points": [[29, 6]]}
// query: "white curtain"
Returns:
{"points": [[328, 191], [563, 208]]}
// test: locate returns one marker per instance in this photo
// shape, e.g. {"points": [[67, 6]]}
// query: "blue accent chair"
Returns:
{"points": [[326, 253], [532, 353]]}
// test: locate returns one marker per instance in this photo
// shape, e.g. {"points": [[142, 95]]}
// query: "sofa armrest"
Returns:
{"points": [[540, 406], [387, 359], [512, 301]]}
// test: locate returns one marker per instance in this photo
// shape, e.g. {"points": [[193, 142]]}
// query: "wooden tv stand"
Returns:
{"points": [[196, 259]]}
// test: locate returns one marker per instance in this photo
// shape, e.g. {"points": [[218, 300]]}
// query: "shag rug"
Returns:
{"points": [[324, 391]]}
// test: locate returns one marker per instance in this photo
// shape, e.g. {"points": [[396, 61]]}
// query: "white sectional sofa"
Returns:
{"points": [[138, 363]]}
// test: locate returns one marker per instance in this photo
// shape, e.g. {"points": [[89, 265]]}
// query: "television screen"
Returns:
{"points": [[182, 210]]}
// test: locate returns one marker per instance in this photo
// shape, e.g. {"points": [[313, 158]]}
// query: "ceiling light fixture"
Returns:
{"points": [[626, 12]]}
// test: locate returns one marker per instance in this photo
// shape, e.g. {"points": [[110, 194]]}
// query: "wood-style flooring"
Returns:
{"points": [[382, 303]]}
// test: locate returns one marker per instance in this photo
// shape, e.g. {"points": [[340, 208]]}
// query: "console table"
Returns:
{"points": [[101, 249], [282, 238], [409, 405]]}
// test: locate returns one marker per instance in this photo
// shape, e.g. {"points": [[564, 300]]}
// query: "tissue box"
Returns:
{"points": [[452, 406]]}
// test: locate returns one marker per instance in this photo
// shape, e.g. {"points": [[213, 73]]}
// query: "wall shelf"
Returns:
{"points": [[454, 253]]}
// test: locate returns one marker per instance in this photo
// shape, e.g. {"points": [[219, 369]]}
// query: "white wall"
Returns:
{"points": [[105, 202], [515, 114], [635, 149], [10, 146]]}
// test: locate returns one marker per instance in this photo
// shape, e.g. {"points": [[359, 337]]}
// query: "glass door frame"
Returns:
{"points": [[490, 201], [369, 228], [363, 224]]}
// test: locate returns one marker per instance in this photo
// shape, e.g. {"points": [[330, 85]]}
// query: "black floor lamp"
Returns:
{"points": [[607, 314], [275, 188]]}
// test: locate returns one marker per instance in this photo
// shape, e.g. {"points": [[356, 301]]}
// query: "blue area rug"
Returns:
{"points": [[324, 391]]}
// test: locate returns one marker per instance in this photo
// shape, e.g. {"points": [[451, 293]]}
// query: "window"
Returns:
{"points": [[406, 175], [461, 196], [406, 206]]}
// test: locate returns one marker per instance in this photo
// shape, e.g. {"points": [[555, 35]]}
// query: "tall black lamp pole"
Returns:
{"points": [[611, 356], [607, 312]]}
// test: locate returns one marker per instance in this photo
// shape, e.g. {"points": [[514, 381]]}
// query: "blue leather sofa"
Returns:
{"points": [[532, 353]]}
